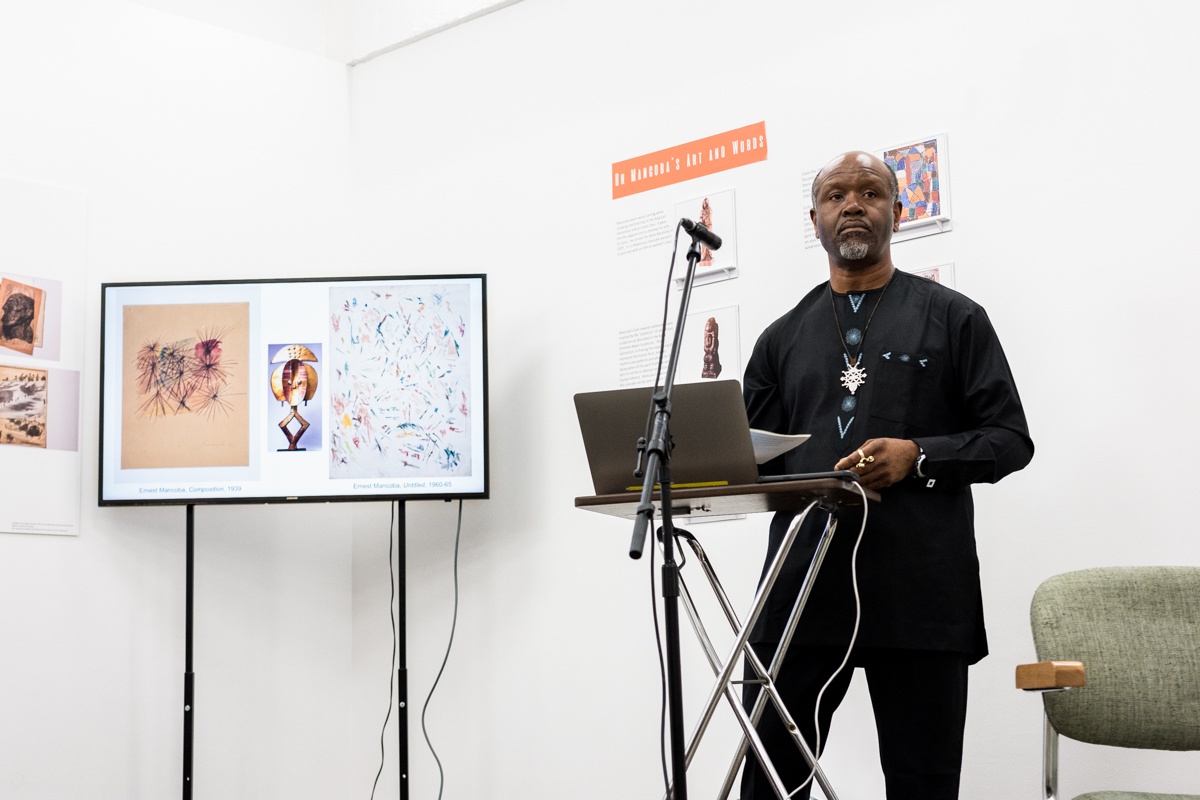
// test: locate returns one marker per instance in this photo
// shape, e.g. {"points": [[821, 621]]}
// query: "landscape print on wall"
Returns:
{"points": [[23, 396]]}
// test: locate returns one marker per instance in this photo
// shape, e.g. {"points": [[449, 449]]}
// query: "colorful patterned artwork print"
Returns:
{"points": [[916, 168], [400, 381]]}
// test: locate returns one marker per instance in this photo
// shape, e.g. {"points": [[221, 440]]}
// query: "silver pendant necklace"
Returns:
{"points": [[854, 376]]}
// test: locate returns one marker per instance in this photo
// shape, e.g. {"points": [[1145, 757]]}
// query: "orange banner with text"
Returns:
{"points": [[734, 148]]}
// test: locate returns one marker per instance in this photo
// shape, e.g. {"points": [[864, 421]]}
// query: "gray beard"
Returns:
{"points": [[853, 250]]}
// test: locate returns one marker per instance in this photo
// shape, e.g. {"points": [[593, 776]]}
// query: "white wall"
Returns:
{"points": [[378, 26], [205, 153], [319, 27], [343, 30], [202, 153], [488, 148]]}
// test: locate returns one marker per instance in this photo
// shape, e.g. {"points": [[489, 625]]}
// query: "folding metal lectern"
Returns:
{"points": [[802, 497]]}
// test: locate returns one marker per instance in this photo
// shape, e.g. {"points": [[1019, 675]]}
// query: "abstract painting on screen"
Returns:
{"points": [[399, 372], [185, 398]]}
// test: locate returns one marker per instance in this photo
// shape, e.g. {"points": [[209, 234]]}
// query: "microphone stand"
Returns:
{"points": [[658, 468]]}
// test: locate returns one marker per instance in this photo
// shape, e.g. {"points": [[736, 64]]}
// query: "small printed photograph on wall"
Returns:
{"points": [[718, 213], [922, 172], [399, 372], [185, 397], [23, 394], [294, 404], [710, 348], [22, 316], [942, 273]]}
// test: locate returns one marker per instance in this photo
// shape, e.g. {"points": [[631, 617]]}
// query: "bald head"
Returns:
{"points": [[856, 159]]}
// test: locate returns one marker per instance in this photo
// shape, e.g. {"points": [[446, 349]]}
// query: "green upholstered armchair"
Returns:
{"points": [[1135, 631]]}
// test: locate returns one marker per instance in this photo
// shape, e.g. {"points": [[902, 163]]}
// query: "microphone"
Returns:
{"points": [[701, 234]]}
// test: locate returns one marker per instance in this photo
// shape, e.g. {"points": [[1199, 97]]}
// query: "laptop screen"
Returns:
{"points": [[708, 426]]}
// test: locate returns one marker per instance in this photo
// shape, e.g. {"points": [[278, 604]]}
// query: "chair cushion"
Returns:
{"points": [[1137, 630]]}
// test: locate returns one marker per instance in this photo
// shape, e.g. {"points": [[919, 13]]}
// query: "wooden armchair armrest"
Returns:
{"points": [[1050, 675]]}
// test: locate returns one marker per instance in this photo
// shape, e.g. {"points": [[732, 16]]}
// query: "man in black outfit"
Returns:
{"points": [[904, 382]]}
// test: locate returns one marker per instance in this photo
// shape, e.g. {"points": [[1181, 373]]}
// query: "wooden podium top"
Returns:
{"points": [[748, 498]]}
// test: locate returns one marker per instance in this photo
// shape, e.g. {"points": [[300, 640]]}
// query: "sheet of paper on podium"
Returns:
{"points": [[769, 445]]}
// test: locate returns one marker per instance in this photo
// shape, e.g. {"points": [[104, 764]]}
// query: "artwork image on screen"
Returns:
{"points": [[293, 390]]}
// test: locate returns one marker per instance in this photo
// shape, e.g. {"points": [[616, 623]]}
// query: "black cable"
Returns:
{"points": [[662, 671], [445, 658], [662, 664], [662, 338], [662, 342], [849, 648], [395, 646]]}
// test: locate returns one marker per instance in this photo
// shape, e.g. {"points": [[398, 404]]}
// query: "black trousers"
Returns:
{"points": [[919, 698]]}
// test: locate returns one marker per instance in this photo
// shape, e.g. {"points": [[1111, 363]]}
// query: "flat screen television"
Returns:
{"points": [[332, 389]]}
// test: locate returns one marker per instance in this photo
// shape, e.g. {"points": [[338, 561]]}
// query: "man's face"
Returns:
{"points": [[18, 310], [855, 215]]}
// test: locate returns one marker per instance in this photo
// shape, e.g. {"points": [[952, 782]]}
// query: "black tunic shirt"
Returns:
{"points": [[935, 374]]}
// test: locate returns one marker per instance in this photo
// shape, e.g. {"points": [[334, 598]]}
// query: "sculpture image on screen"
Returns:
{"points": [[293, 390], [294, 382]]}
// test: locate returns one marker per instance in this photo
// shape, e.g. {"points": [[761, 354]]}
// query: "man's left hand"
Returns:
{"points": [[883, 462]]}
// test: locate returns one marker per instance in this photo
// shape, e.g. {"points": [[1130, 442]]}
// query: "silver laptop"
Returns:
{"points": [[708, 426]]}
